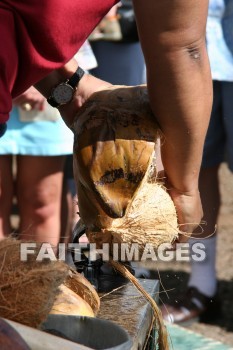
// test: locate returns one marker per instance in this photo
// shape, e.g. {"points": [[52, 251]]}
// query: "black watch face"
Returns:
{"points": [[63, 93]]}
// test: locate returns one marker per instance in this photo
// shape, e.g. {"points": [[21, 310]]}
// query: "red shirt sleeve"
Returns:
{"points": [[40, 36]]}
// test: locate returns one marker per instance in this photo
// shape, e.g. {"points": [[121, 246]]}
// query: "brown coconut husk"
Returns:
{"points": [[30, 290], [83, 288], [120, 199], [115, 136], [150, 218], [27, 289]]}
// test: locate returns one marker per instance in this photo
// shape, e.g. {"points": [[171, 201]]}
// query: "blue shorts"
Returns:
{"points": [[219, 140], [36, 137]]}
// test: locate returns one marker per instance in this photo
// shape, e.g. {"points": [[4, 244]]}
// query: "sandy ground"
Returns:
{"points": [[175, 275]]}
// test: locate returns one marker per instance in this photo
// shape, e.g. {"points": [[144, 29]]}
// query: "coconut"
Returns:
{"points": [[68, 302], [76, 296], [78, 284], [27, 289], [30, 290], [120, 198], [150, 219]]}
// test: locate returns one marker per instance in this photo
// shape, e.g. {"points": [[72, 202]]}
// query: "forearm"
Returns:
{"points": [[179, 83], [181, 100]]}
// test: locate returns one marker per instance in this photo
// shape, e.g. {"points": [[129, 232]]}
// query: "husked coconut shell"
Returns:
{"points": [[68, 302], [119, 197], [83, 288]]}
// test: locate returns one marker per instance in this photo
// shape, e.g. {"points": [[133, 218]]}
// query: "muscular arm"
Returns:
{"points": [[172, 34]]}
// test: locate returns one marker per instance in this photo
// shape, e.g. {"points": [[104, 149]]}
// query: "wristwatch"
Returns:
{"points": [[63, 93]]}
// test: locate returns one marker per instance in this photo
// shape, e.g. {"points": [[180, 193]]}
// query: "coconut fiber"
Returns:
{"points": [[120, 199], [29, 289]]}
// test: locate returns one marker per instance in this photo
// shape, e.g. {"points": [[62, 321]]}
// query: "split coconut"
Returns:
{"points": [[120, 198], [30, 290]]}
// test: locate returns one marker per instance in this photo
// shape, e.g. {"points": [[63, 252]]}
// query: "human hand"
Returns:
{"points": [[189, 211], [30, 99], [86, 87], [188, 207]]}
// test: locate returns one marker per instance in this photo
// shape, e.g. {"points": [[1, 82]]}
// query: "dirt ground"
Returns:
{"points": [[175, 275]]}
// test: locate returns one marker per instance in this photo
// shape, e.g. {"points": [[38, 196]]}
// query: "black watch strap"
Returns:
{"points": [[52, 102], [76, 77]]}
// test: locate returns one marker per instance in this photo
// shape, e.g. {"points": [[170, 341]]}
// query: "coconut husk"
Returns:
{"points": [[150, 218], [83, 288], [120, 199], [27, 289]]}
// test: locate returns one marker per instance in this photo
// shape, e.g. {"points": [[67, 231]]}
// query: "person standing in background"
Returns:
{"points": [[42, 145], [39, 140], [201, 299], [118, 52]]}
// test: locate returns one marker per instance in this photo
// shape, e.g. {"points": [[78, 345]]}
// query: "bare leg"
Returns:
{"points": [[39, 190], [203, 273], [66, 214], [6, 194]]}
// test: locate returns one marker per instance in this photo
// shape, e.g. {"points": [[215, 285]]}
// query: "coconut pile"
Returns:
{"points": [[30, 290], [120, 198]]}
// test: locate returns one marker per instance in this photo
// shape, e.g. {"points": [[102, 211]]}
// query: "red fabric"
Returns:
{"points": [[38, 36]]}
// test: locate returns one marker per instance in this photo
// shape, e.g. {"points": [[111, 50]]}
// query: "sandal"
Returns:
{"points": [[194, 306]]}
